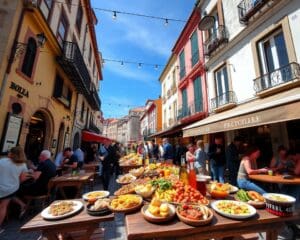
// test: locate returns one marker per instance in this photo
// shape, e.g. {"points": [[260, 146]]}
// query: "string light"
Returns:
{"points": [[115, 12], [139, 64], [114, 15]]}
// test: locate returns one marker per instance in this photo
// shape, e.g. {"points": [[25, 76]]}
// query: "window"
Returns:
{"points": [[49, 3], [175, 109], [182, 64], [82, 111], [194, 48], [29, 57], [79, 18], [174, 78], [62, 29], [62, 92], [198, 94], [184, 103], [90, 54], [272, 53], [212, 32], [221, 79]]}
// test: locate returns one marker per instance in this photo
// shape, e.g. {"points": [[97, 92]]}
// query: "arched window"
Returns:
{"points": [[29, 57]]}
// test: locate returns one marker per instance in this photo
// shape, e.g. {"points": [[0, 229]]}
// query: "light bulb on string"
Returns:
{"points": [[140, 65], [156, 67], [122, 63], [166, 22], [114, 15]]}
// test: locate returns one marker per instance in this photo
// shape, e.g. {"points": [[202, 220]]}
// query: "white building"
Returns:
{"points": [[169, 83], [252, 51]]}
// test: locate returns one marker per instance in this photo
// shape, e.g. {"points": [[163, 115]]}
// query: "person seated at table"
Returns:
{"points": [[71, 160], [288, 165], [13, 171], [45, 170], [281, 157], [80, 155], [248, 166], [59, 159]]}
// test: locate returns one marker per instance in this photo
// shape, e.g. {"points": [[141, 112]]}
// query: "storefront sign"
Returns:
{"points": [[20, 90], [242, 122], [11, 133]]}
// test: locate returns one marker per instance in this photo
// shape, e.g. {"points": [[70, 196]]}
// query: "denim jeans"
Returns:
{"points": [[248, 185], [217, 173]]}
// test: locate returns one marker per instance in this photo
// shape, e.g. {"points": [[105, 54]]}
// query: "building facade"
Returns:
{"points": [[169, 84], [151, 120], [252, 56], [54, 67]]}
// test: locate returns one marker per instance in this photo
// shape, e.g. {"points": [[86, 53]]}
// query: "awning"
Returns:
{"points": [[277, 108], [94, 137], [174, 131]]}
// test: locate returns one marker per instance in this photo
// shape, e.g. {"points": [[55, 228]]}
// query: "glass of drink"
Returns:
{"points": [[201, 185]]}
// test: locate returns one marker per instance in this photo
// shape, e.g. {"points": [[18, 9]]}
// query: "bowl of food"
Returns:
{"points": [[280, 204], [219, 190], [99, 208], [158, 212], [93, 196], [251, 197], [126, 203], [137, 172], [145, 190], [194, 215]]}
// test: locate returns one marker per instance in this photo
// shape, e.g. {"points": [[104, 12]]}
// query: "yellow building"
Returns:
{"points": [[50, 90]]}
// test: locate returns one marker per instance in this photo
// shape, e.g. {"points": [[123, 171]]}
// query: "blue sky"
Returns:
{"points": [[135, 39]]}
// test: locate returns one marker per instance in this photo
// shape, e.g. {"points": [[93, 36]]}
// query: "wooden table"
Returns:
{"points": [[67, 180], [274, 179], [81, 221], [138, 228]]}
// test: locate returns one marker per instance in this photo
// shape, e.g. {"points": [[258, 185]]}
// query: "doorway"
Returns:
{"points": [[35, 139]]}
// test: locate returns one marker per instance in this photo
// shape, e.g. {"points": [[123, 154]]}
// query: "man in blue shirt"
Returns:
{"points": [[168, 155]]}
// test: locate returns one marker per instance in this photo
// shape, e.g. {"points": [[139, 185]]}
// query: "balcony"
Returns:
{"points": [[93, 99], [73, 64], [224, 101], [93, 128], [279, 80], [248, 8], [218, 38], [196, 107], [183, 112]]}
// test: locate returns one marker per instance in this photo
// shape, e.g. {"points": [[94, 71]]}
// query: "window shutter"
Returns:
{"points": [[29, 57], [69, 97]]}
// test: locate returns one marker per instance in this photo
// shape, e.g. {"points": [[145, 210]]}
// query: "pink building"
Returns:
{"points": [[192, 94]]}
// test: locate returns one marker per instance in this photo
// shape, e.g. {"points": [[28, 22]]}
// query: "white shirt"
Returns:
{"points": [[10, 176], [80, 155]]}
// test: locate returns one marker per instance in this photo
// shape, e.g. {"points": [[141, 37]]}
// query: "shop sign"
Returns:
{"points": [[11, 133], [242, 122], [20, 90]]}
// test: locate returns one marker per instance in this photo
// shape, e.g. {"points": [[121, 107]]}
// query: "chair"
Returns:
{"points": [[43, 199]]}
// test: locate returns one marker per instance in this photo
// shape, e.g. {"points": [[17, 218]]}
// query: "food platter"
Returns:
{"points": [[69, 208], [126, 179], [233, 209], [95, 195], [157, 219], [126, 203], [205, 215], [279, 198]]}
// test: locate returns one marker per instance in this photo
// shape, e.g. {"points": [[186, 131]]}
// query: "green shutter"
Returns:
{"points": [[198, 94], [194, 48], [184, 103], [182, 64]]}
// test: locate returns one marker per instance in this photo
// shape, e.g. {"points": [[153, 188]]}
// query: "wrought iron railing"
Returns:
{"points": [[183, 112], [247, 8], [279, 76], [195, 58], [223, 99], [217, 38]]}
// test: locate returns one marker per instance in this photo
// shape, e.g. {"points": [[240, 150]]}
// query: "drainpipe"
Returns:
{"points": [[12, 55]]}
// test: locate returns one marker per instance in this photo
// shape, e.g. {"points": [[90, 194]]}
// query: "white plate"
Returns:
{"points": [[289, 199], [132, 178], [105, 194], [252, 210], [233, 189], [76, 208]]}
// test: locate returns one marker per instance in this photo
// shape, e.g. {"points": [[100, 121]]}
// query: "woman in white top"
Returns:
{"points": [[13, 170]]}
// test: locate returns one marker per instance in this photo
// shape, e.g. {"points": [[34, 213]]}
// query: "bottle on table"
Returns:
{"points": [[183, 174], [192, 173]]}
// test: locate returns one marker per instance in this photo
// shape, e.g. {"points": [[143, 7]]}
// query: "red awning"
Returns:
{"points": [[94, 137]]}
